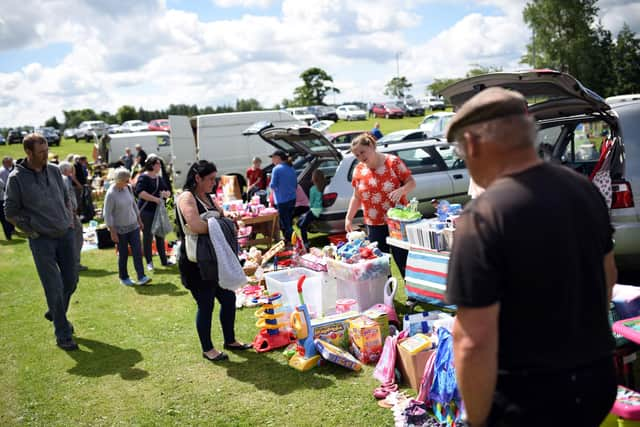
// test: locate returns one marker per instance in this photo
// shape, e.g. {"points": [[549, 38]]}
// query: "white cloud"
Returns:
{"points": [[243, 3]]}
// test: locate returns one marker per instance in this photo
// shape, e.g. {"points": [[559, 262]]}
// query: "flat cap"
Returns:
{"points": [[492, 103]]}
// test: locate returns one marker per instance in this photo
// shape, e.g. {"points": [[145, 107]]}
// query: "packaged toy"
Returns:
{"points": [[365, 339], [337, 355], [417, 343]]}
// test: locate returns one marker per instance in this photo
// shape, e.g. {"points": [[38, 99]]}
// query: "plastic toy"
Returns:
{"points": [[270, 336], [390, 288], [307, 356], [337, 355]]}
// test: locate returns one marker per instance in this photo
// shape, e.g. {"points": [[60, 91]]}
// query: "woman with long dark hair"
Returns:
{"points": [[151, 189], [192, 205]]}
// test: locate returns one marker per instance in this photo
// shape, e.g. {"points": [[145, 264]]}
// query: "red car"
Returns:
{"points": [[387, 110], [160, 125]]}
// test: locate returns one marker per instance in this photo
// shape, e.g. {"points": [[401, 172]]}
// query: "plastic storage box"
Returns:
{"points": [[363, 281], [319, 295]]}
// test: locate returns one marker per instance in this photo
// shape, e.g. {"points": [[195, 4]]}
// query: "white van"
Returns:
{"points": [[151, 142], [219, 139]]}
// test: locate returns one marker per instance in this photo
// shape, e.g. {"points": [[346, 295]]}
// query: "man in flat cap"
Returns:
{"points": [[531, 272]]}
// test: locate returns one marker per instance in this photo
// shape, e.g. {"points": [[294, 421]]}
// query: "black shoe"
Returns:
{"points": [[48, 316], [238, 346], [219, 358], [67, 344]]}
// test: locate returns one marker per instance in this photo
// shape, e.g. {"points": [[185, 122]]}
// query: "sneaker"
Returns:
{"points": [[127, 282], [150, 266], [145, 280], [67, 344], [169, 263]]}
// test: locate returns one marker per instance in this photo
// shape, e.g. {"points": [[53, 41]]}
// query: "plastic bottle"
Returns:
{"points": [[413, 204]]}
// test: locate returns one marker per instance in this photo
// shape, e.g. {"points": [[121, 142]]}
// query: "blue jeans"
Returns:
{"points": [[56, 264], [6, 225], [303, 224], [205, 297], [285, 212], [125, 240]]}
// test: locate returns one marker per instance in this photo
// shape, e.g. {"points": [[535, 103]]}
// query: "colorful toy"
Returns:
{"points": [[365, 339], [337, 355], [270, 336], [307, 356]]}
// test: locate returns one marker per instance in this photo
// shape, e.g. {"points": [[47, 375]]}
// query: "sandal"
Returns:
{"points": [[219, 358], [384, 390], [238, 346]]}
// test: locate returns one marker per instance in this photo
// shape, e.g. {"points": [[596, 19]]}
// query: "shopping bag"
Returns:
{"points": [[161, 226], [444, 392], [385, 369]]}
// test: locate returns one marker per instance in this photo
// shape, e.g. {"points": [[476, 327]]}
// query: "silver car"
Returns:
{"points": [[438, 171], [573, 123]]}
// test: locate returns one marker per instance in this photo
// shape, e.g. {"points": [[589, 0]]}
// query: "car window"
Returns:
{"points": [[586, 142], [418, 160], [163, 141], [415, 136], [450, 158]]}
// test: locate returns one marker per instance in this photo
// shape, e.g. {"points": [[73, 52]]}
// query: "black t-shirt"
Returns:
{"points": [[534, 242], [142, 157], [152, 186]]}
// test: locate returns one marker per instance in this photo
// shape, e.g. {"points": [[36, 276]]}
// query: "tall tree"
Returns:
{"points": [[626, 62], [566, 38], [478, 70], [250, 104], [397, 87], [438, 84], [126, 112], [52, 122], [317, 83]]}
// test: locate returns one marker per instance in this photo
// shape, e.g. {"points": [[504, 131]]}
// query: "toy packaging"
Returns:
{"points": [[365, 340], [380, 316], [417, 343], [337, 355], [334, 329]]}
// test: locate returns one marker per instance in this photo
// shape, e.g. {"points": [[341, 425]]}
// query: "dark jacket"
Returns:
{"points": [[206, 253]]}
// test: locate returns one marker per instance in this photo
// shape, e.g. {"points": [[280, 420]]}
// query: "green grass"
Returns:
{"points": [[140, 363], [67, 146]]}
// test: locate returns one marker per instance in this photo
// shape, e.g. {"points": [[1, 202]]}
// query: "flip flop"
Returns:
{"points": [[383, 390]]}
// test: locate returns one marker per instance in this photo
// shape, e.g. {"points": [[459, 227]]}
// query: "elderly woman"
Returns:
{"points": [[123, 219], [194, 203]]}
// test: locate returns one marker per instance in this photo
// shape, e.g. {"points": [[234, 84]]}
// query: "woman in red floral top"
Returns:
{"points": [[380, 181]]}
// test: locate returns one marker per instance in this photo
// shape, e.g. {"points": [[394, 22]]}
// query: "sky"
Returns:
{"points": [[60, 55]]}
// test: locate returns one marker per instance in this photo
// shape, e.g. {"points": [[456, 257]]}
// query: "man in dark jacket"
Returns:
{"points": [[38, 203]]}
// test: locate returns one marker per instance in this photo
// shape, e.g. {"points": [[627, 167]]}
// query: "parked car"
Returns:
{"points": [[3, 141], [387, 110], [342, 140], [438, 172], [69, 133], [323, 112], [432, 103], [160, 125], [411, 107], [51, 137], [435, 124], [351, 112], [623, 98], [113, 129], [573, 123], [406, 135], [88, 129], [134, 126], [302, 114], [14, 137]]}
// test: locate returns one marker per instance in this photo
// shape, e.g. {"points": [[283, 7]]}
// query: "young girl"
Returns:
{"points": [[315, 204], [255, 181]]}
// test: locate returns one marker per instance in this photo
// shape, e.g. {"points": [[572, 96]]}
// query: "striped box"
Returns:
{"points": [[426, 275]]}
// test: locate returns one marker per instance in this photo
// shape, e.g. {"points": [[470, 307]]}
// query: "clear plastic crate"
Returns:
{"points": [[363, 281], [319, 294]]}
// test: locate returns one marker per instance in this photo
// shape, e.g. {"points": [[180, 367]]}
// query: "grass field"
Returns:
{"points": [[139, 361]]}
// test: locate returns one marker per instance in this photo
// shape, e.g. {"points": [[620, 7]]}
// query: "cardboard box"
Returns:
{"points": [[365, 339], [411, 366]]}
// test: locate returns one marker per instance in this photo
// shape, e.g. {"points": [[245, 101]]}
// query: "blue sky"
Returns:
{"points": [[152, 53]]}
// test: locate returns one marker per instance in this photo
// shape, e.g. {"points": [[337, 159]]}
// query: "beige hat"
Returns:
{"points": [[492, 103]]}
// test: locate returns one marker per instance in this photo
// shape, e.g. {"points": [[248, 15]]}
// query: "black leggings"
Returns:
{"points": [[204, 297], [379, 233], [147, 239]]}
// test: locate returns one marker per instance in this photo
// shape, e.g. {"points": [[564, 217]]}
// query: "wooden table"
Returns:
{"points": [[267, 225]]}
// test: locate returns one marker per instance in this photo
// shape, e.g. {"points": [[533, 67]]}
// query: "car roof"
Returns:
{"points": [[431, 142]]}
